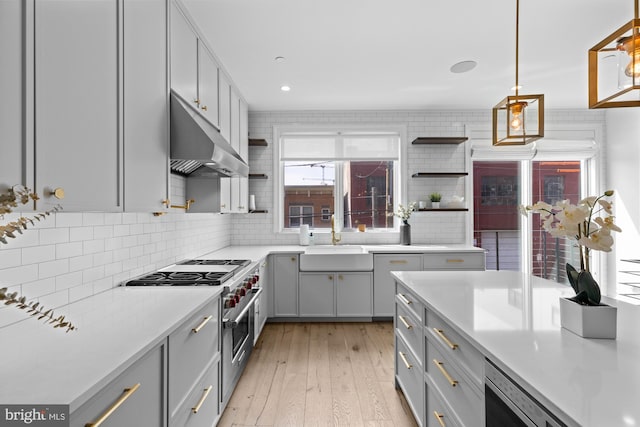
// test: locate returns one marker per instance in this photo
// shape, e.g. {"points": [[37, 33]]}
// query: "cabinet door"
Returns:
{"points": [[235, 120], [224, 110], [142, 405], [184, 56], [285, 285], [77, 95], [239, 194], [244, 131], [225, 195], [11, 102], [317, 294], [383, 284], [208, 84], [146, 141], [354, 294]]}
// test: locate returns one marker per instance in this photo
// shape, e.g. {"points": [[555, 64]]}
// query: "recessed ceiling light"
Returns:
{"points": [[285, 88], [279, 58], [463, 67]]}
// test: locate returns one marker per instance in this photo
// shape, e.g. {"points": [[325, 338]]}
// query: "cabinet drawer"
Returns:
{"points": [[409, 328], [454, 261], [137, 396], [409, 376], [463, 353], [437, 413], [203, 399], [405, 298], [455, 387], [191, 348]]}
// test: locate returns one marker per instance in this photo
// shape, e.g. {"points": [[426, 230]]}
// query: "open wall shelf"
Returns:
{"points": [[423, 140], [258, 142], [443, 210], [439, 174], [258, 176]]}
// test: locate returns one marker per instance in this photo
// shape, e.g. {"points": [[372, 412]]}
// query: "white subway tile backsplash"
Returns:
{"points": [[53, 268], [36, 254], [77, 234], [10, 258], [69, 280], [13, 276], [54, 235]]}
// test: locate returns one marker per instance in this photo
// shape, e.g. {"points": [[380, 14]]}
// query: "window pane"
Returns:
{"points": [[552, 182], [368, 194], [496, 226], [308, 193]]}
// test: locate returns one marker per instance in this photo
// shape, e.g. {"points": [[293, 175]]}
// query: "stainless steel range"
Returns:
{"points": [[241, 289]]}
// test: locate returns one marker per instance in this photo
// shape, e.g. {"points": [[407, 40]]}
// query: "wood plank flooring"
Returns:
{"points": [[320, 374]]}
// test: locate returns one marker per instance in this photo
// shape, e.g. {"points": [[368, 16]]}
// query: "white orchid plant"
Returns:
{"points": [[590, 223], [404, 213]]}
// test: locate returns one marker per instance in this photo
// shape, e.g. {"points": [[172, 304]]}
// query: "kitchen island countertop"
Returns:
{"points": [[514, 320]]}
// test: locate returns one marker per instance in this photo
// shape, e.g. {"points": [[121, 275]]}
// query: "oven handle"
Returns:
{"points": [[509, 403], [230, 324]]}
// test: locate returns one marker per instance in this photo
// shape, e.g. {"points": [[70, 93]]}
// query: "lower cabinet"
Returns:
{"points": [[200, 408], [135, 398], [339, 294], [285, 284], [383, 289]]}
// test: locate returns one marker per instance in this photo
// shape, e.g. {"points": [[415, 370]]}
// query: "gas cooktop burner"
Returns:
{"points": [[239, 262], [181, 278]]}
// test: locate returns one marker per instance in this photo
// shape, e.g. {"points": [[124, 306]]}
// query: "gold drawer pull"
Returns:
{"points": [[405, 323], [127, 393], [398, 261], [206, 392], [444, 338], [404, 299], [439, 417], [445, 373], [455, 260], [404, 360], [201, 325]]}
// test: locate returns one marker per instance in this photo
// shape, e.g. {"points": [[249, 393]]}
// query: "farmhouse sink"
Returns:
{"points": [[336, 258]]}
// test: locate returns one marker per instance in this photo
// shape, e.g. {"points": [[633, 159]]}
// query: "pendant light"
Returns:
{"points": [[616, 83], [519, 119]]}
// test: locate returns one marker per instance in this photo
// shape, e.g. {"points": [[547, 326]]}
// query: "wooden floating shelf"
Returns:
{"points": [[258, 176], [258, 142], [439, 174], [443, 210], [439, 140], [258, 211]]}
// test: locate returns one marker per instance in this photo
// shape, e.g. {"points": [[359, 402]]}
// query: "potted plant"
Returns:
{"points": [[590, 224], [435, 200], [404, 213]]}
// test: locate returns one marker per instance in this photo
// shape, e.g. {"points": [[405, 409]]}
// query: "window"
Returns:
{"points": [[351, 175]]}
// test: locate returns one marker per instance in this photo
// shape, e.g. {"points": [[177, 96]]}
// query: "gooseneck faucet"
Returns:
{"points": [[334, 239]]}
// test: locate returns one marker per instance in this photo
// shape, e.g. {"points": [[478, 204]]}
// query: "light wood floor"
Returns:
{"points": [[320, 374]]}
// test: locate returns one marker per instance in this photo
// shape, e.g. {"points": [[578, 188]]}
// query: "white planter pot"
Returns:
{"points": [[435, 205], [588, 321]]}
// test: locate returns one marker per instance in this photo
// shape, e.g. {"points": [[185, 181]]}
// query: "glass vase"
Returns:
{"points": [[405, 233]]}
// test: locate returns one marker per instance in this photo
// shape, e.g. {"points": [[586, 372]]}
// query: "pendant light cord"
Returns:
{"points": [[518, 39]]}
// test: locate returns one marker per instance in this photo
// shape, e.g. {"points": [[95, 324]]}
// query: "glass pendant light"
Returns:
{"points": [[611, 86], [519, 119]]}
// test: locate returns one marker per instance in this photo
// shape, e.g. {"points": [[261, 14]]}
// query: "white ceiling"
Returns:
{"points": [[396, 54]]}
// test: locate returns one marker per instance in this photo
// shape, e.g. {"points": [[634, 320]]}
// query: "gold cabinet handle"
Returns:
{"points": [[330, 277], [405, 323], [293, 259], [404, 299], [439, 417], [223, 206], [398, 261], [340, 277], [404, 360], [205, 393], [196, 101], [455, 260], [58, 193], [444, 338], [204, 108], [444, 372], [201, 325], [127, 393]]}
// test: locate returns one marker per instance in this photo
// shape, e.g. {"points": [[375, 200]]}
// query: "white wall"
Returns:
{"points": [[623, 155]]}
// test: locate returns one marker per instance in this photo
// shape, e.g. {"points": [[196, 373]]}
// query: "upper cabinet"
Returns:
{"points": [[208, 84], [77, 138], [224, 97]]}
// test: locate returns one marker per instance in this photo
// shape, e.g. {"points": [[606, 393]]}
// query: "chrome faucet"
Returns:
{"points": [[334, 239]]}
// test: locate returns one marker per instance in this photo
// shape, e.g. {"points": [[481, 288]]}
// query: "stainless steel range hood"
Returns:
{"points": [[196, 144]]}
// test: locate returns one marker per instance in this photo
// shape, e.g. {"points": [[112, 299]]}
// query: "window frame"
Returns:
{"points": [[400, 185]]}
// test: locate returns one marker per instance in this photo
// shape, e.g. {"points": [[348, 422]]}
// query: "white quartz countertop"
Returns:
{"points": [[515, 321], [42, 365]]}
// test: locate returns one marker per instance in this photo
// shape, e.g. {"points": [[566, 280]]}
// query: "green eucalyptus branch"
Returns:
{"points": [[35, 309], [9, 200]]}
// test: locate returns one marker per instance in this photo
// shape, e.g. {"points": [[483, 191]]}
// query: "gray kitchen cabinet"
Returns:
{"points": [[208, 84], [317, 295], [138, 396], [244, 130], [224, 106], [285, 285], [13, 170], [234, 116], [184, 56], [225, 195], [78, 91], [354, 294], [262, 304], [454, 261], [234, 191], [335, 294], [383, 283], [146, 140], [201, 407]]}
